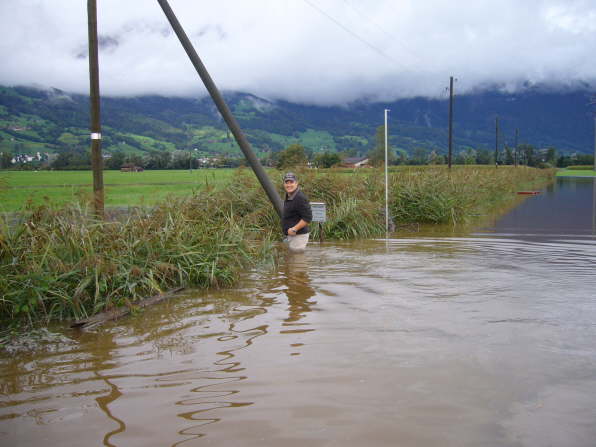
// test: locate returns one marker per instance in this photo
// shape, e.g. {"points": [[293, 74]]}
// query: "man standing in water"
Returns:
{"points": [[297, 214]]}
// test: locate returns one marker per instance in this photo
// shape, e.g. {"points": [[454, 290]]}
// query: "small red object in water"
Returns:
{"points": [[532, 193]]}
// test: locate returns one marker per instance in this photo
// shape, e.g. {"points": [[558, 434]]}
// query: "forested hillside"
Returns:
{"points": [[34, 120]]}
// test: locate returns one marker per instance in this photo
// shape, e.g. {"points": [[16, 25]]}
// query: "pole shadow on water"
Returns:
{"points": [[103, 404], [102, 359]]}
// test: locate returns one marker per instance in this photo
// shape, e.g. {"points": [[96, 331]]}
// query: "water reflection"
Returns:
{"points": [[565, 209], [181, 355], [103, 403], [298, 291], [204, 403], [218, 387]]}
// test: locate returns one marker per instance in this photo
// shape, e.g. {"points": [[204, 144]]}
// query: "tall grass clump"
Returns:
{"points": [[60, 264], [354, 203], [429, 194], [436, 195]]}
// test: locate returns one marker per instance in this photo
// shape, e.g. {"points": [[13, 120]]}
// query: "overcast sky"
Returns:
{"points": [[311, 51]]}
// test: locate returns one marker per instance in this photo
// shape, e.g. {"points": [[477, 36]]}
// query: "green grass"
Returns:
{"points": [[60, 178], [576, 173], [121, 188]]}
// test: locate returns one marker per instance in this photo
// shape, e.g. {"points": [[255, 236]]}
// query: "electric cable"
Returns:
{"points": [[352, 33], [383, 30]]}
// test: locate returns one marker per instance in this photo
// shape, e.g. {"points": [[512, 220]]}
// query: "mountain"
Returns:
{"points": [[49, 120]]}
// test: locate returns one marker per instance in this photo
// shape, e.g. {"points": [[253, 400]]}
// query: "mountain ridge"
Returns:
{"points": [[51, 120]]}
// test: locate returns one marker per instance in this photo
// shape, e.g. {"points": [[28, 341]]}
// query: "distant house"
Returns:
{"points": [[128, 167], [542, 154], [354, 162]]}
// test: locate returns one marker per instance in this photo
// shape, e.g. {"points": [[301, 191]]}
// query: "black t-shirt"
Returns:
{"points": [[296, 208]]}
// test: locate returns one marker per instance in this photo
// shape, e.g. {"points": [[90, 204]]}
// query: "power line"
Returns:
{"points": [[379, 27], [352, 33], [361, 14]]}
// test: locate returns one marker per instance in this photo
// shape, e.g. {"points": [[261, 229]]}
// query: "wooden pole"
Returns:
{"points": [[450, 121], [386, 178], [497, 142], [516, 138], [96, 158]]}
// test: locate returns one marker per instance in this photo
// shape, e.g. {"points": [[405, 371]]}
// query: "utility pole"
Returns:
{"points": [[386, 178], [497, 142], [450, 120], [223, 109], [516, 137], [96, 158]]}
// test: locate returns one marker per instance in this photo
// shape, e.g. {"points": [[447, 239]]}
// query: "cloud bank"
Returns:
{"points": [[309, 51]]}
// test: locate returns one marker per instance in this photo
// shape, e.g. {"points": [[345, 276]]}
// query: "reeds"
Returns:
{"points": [[355, 202], [60, 264]]}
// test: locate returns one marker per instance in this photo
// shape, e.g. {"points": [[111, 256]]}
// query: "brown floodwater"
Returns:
{"points": [[466, 339]]}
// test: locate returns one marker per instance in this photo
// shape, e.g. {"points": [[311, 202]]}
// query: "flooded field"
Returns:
{"points": [[485, 338]]}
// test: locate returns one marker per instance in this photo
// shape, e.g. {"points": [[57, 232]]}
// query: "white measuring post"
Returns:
{"points": [[386, 179]]}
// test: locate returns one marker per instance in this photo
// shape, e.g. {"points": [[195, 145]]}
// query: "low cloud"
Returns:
{"points": [[310, 51]]}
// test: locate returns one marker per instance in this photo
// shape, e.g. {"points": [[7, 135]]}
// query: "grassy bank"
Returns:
{"points": [[61, 263], [588, 172]]}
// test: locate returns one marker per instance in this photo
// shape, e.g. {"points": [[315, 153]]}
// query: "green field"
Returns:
{"points": [[576, 173], [121, 188]]}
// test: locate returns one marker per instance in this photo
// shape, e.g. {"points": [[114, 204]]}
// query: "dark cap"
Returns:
{"points": [[290, 176]]}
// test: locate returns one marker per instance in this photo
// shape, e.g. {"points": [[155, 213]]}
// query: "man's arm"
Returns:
{"points": [[299, 226]]}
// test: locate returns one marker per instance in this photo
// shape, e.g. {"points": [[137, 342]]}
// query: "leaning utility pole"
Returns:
{"points": [[223, 108], [497, 142], [450, 120], [96, 158]]}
